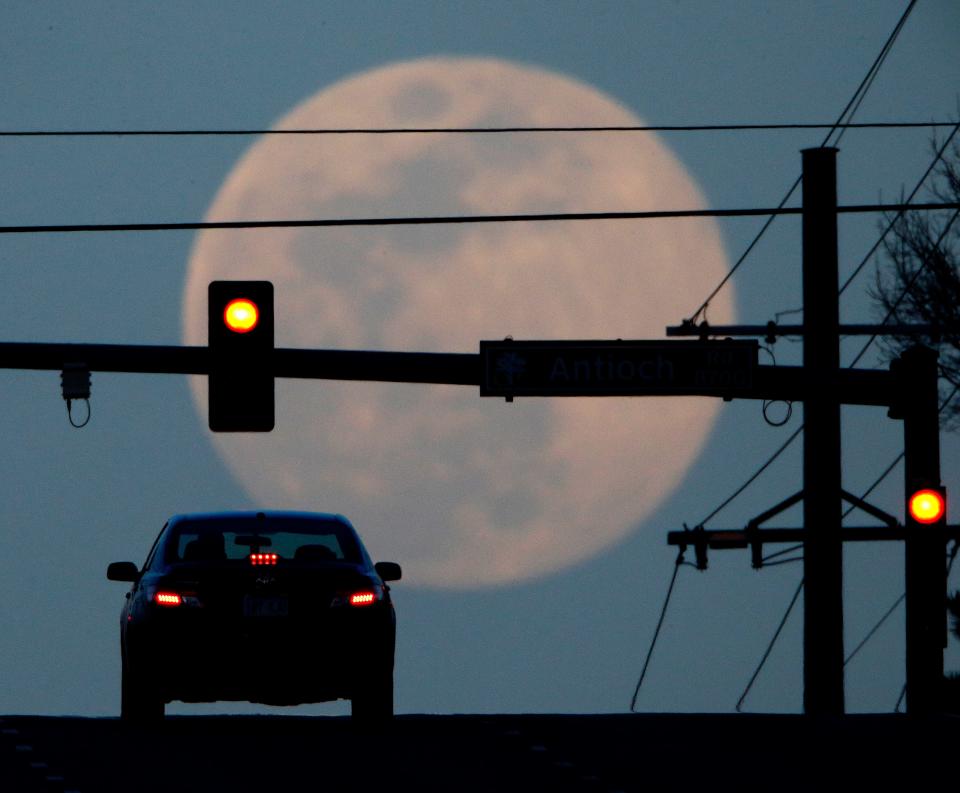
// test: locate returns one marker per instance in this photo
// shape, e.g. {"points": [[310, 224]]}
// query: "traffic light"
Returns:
{"points": [[927, 505], [240, 320]]}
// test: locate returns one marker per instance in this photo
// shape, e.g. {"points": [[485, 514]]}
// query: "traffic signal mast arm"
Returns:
{"points": [[399, 367], [858, 386]]}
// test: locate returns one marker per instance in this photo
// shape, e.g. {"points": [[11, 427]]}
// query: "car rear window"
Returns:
{"points": [[302, 540]]}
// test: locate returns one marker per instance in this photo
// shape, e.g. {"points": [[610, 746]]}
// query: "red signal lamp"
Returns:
{"points": [[241, 315], [927, 506], [257, 559]]}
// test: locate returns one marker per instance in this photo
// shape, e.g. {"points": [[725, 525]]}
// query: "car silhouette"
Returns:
{"points": [[279, 608]]}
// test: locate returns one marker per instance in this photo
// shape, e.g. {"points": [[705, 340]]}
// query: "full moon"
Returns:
{"points": [[462, 491]]}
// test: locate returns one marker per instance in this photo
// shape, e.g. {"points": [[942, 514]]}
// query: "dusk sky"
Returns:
{"points": [[532, 534]]}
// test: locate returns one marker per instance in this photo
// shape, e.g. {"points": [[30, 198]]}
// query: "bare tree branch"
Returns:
{"points": [[917, 279]]}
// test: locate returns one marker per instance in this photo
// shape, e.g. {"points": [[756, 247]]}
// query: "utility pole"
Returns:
{"points": [[823, 551]]}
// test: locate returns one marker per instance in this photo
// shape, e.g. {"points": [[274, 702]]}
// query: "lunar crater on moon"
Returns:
{"points": [[463, 491]]}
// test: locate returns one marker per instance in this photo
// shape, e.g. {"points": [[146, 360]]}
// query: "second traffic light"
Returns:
{"points": [[240, 321], [928, 505]]}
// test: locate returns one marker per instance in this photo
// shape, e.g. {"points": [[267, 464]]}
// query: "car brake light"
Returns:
{"points": [[366, 598], [263, 558], [168, 599], [357, 597]]}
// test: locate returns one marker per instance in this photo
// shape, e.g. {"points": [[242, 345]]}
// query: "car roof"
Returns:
{"points": [[242, 515]]}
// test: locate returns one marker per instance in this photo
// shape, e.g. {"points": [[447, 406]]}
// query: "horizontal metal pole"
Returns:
{"points": [[403, 367], [774, 329], [739, 538], [394, 367], [856, 386], [106, 357]]}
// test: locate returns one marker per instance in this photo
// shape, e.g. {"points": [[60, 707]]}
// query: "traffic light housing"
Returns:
{"points": [[240, 322]]}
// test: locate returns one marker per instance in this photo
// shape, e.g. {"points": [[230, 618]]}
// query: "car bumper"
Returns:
{"points": [[273, 661]]}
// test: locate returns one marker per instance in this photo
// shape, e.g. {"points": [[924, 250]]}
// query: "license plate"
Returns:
{"points": [[257, 606]]}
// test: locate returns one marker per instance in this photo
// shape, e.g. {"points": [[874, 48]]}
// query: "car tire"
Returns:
{"points": [[373, 704], [140, 702]]}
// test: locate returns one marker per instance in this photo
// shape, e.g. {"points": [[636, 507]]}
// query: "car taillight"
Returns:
{"points": [[168, 599], [366, 598], [358, 598], [263, 558]]}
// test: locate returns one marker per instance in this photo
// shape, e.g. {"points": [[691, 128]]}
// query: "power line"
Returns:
{"points": [[749, 249], [773, 641], [586, 128], [875, 628], [876, 482], [754, 476], [656, 632], [451, 219], [851, 107], [899, 214], [858, 96]]}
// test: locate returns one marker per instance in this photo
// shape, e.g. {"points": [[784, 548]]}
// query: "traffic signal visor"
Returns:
{"points": [[927, 505], [241, 315]]}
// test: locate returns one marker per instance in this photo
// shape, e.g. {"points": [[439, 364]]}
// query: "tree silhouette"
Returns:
{"points": [[918, 280], [951, 688]]}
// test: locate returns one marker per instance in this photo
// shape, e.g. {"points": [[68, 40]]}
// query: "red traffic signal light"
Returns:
{"points": [[241, 315], [927, 505], [240, 325]]}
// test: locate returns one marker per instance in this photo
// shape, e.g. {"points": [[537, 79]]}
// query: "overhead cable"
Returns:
{"points": [[754, 476], [656, 633], [899, 214], [773, 641], [847, 112], [449, 219], [301, 131]]}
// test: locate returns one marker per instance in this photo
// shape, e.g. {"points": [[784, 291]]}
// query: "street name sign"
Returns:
{"points": [[618, 367]]}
